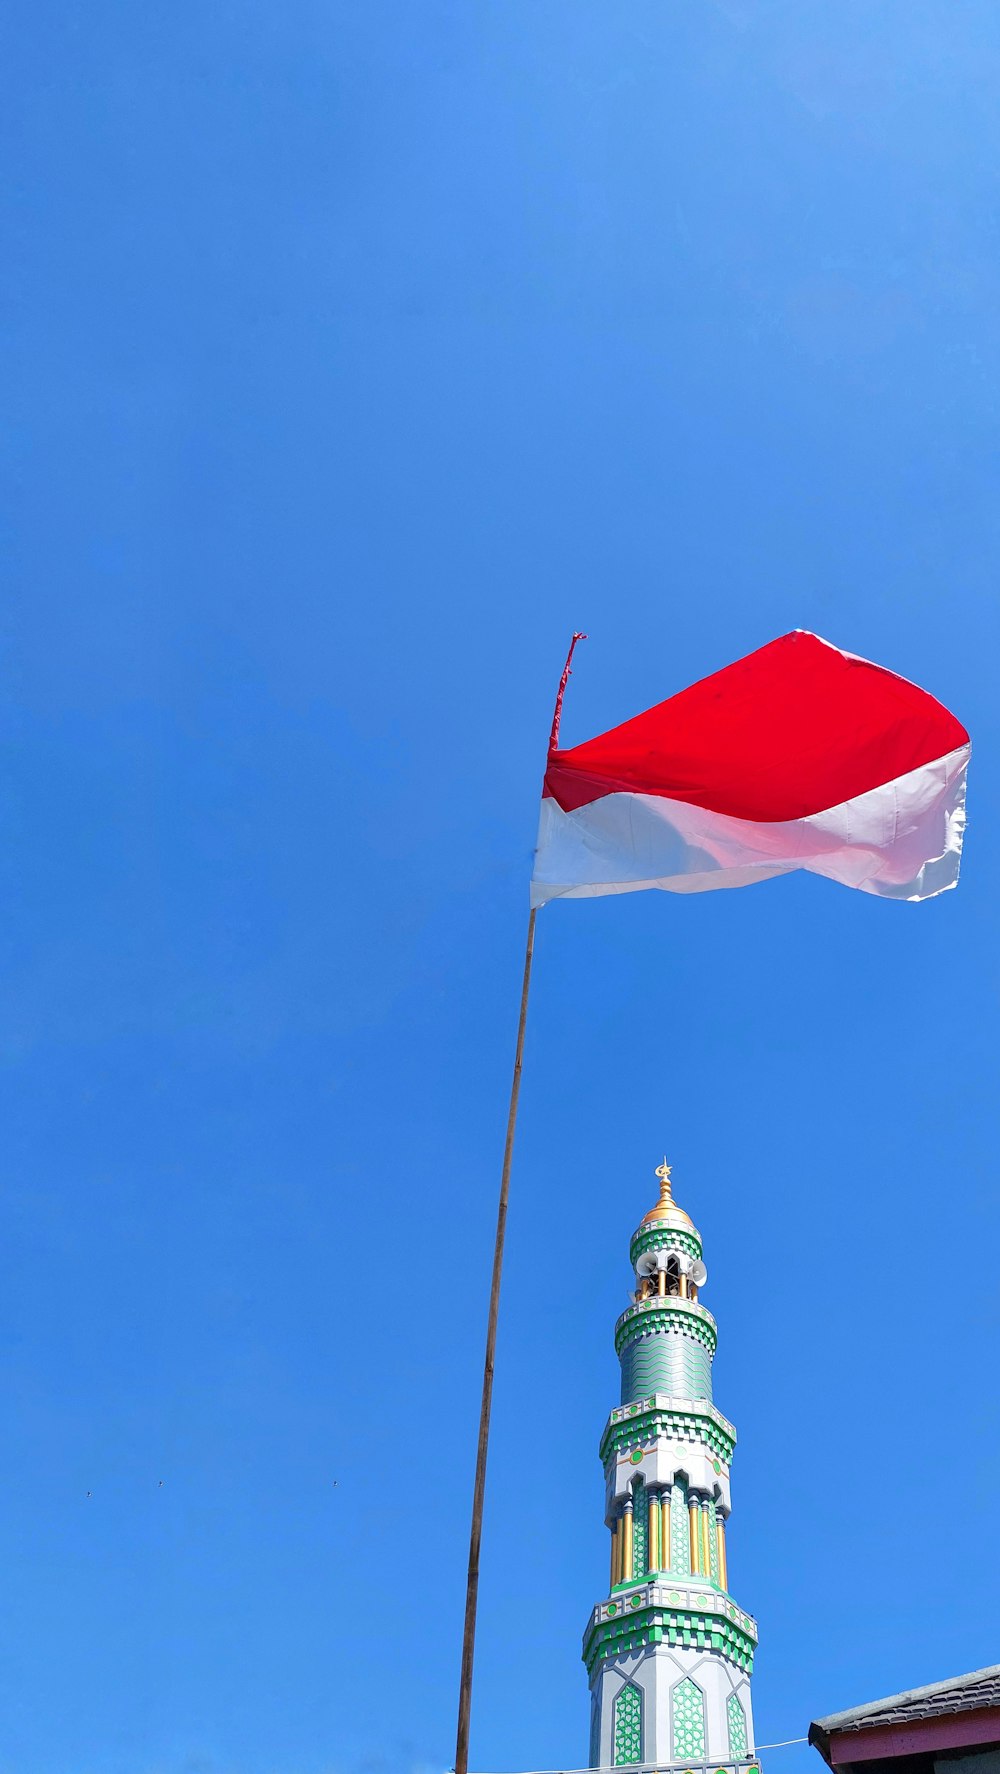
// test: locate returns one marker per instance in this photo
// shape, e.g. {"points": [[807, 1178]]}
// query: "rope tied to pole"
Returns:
{"points": [[563, 681]]}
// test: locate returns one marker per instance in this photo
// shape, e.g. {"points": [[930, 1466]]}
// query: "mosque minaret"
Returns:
{"points": [[669, 1652]]}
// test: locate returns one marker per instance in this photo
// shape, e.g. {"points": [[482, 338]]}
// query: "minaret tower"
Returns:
{"points": [[669, 1653]]}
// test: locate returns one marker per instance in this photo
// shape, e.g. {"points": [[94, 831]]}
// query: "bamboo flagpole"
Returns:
{"points": [[479, 1486]]}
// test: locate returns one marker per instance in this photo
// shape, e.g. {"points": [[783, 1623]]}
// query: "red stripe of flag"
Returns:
{"points": [[788, 731]]}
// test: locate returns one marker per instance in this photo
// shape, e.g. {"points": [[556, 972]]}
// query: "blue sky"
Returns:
{"points": [[355, 354]]}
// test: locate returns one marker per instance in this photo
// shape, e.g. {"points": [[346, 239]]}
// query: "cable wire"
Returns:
{"points": [[648, 1767]]}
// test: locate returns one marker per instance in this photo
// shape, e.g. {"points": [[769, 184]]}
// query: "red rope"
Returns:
{"points": [[563, 681]]}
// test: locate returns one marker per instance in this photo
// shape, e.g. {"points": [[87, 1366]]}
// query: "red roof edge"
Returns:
{"points": [[951, 1730]]}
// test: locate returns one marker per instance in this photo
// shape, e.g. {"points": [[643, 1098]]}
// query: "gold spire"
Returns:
{"points": [[666, 1208]]}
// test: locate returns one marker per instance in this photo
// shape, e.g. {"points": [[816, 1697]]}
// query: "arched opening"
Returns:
{"points": [[658, 1273]]}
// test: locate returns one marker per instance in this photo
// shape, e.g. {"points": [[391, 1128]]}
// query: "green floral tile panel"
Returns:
{"points": [[680, 1533], [628, 1725], [687, 1709], [737, 1720], [640, 1531]]}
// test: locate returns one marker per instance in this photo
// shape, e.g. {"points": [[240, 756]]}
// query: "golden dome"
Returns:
{"points": [[666, 1212]]}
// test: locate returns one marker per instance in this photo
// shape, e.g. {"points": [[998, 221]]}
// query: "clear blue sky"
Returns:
{"points": [[356, 354]]}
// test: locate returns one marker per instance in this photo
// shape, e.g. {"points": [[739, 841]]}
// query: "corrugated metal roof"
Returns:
{"points": [[963, 1693]]}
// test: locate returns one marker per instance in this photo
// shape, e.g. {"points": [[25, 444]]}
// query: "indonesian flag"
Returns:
{"points": [[799, 756]]}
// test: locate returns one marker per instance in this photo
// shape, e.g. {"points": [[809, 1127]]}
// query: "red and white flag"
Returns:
{"points": [[799, 756]]}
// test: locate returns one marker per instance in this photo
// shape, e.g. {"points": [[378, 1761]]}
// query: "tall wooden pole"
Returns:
{"points": [[479, 1487]]}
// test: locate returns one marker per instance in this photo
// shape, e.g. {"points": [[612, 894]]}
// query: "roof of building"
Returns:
{"points": [[963, 1693]]}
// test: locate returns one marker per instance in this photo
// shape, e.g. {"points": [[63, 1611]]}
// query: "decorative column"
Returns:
{"points": [[653, 1562], [626, 1576], [720, 1538], [694, 1530], [665, 1550]]}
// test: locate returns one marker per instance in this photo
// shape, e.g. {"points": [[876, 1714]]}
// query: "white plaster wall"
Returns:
{"points": [[658, 1467], [656, 1671]]}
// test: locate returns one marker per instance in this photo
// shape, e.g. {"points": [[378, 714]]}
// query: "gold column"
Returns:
{"points": [[661, 1283], [653, 1530], [720, 1535], [614, 1553], [694, 1518], [684, 1287], [706, 1550], [627, 1545], [665, 1529]]}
